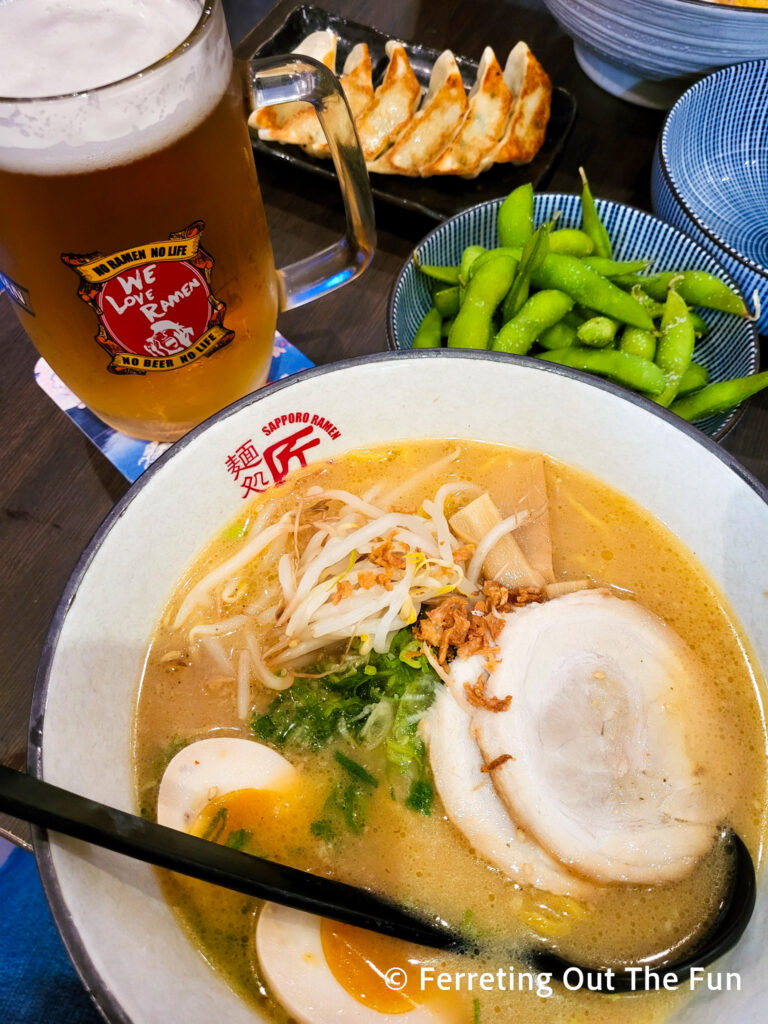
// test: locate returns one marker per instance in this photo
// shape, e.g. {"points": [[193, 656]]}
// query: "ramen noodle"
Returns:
{"points": [[349, 680]]}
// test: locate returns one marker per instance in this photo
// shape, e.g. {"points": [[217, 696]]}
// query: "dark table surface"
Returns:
{"points": [[55, 487]]}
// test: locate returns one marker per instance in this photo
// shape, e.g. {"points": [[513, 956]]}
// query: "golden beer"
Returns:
{"points": [[132, 232], [205, 177]]}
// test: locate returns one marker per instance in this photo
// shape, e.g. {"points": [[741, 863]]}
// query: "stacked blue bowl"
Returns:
{"points": [[649, 51], [710, 173]]}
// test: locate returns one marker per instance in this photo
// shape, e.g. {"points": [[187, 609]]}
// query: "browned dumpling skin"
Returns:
{"points": [[433, 126], [320, 45], [304, 129], [490, 103], [357, 85], [394, 104], [530, 85]]}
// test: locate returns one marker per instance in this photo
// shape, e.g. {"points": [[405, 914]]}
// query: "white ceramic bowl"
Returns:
{"points": [[650, 51], [122, 936]]}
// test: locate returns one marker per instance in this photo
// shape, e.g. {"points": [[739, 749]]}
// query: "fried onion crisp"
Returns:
{"points": [[497, 762], [457, 628], [477, 698], [343, 589], [387, 555]]}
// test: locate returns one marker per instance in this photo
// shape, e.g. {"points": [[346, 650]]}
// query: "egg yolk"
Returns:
{"points": [[359, 959], [255, 819]]}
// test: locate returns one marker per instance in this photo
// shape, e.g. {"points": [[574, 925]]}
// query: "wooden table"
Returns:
{"points": [[55, 487]]}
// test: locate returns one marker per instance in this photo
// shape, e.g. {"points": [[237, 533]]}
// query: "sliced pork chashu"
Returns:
{"points": [[434, 124], [474, 807], [609, 772]]}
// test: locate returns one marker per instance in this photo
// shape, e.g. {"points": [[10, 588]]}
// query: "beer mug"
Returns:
{"points": [[133, 239]]}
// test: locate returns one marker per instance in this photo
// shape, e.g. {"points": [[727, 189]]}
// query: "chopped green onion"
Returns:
{"points": [[354, 769]]}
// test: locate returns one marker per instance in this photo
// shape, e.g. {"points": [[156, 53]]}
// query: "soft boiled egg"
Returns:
{"points": [[322, 972], [209, 775]]}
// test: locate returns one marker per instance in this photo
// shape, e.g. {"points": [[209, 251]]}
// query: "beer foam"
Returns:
{"points": [[60, 47]]}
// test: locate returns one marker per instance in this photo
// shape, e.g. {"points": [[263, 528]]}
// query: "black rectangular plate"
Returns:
{"points": [[439, 197]]}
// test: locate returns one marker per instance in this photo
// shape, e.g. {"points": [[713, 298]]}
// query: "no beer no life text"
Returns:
{"points": [[510, 980]]}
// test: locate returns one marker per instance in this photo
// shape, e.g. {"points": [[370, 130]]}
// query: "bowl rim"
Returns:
{"points": [[664, 163], [96, 985], [714, 6], [392, 345]]}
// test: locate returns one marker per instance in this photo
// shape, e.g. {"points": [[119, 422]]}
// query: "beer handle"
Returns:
{"points": [[281, 79]]}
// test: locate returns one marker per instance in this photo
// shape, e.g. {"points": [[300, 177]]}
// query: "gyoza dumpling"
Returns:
{"points": [[490, 103], [357, 83], [530, 85], [393, 106], [320, 45], [433, 126], [304, 129]]}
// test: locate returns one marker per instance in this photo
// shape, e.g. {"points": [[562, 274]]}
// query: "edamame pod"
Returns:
{"points": [[570, 275], [472, 326], [490, 254], [597, 332], [675, 348], [532, 256], [654, 309], [515, 219], [571, 241], [428, 333], [695, 377], [638, 342], [719, 397], [631, 371], [614, 268], [593, 226], [447, 301], [700, 325], [542, 310], [468, 257], [561, 335], [696, 287], [450, 275]]}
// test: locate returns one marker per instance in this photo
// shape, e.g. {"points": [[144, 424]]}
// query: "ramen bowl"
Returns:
{"points": [[712, 184], [730, 348], [123, 937], [649, 51]]}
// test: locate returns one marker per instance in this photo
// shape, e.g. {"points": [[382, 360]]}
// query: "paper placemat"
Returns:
{"points": [[127, 454]]}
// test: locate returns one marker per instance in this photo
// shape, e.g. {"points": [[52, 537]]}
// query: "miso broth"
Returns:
{"points": [[188, 693]]}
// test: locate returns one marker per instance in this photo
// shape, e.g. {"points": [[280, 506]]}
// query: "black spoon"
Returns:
{"points": [[50, 807]]}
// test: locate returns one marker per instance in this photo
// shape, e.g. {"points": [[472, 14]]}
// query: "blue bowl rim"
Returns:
{"points": [[719, 9], [703, 83], [392, 345]]}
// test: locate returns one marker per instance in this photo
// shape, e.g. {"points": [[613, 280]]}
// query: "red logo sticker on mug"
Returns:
{"points": [[154, 303]]}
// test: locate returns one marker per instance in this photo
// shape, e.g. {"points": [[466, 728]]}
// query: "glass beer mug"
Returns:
{"points": [[133, 240]]}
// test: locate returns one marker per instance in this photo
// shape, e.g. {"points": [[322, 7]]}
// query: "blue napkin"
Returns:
{"points": [[129, 455], [38, 984]]}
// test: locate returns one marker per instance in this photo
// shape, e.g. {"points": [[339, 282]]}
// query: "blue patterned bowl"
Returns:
{"points": [[710, 172], [649, 51], [730, 349]]}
